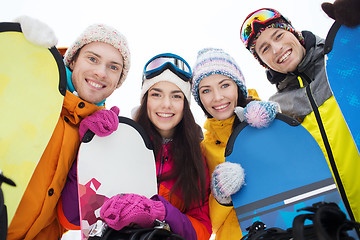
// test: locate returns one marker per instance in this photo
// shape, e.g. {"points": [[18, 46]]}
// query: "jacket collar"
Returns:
{"points": [[76, 109], [219, 129]]}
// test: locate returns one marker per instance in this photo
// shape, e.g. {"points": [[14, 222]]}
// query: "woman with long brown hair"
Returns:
{"points": [[183, 181]]}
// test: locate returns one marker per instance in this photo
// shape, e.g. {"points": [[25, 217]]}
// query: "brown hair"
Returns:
{"points": [[189, 169]]}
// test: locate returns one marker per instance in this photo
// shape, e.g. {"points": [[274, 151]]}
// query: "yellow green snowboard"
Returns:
{"points": [[32, 89]]}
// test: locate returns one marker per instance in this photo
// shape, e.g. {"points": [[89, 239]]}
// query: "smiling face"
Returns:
{"points": [[165, 107], [279, 49], [218, 94], [96, 71]]}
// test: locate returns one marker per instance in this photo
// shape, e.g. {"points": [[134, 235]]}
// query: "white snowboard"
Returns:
{"points": [[122, 162]]}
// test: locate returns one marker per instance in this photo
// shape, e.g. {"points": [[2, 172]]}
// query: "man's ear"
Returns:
{"points": [[71, 65], [119, 82]]}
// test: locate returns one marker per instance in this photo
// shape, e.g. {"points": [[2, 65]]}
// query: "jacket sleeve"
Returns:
{"points": [[200, 220], [178, 222], [68, 205]]}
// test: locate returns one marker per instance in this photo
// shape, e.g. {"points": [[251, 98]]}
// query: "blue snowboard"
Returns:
{"points": [[285, 170], [343, 70]]}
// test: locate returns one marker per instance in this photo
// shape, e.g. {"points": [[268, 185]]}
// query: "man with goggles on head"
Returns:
{"points": [[295, 63]]}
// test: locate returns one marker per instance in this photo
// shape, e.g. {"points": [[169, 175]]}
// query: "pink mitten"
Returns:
{"points": [[102, 122], [123, 209]]}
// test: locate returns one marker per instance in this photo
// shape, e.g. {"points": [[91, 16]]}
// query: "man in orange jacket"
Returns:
{"points": [[97, 63]]}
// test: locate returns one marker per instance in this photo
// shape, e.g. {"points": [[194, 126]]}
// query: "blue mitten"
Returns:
{"points": [[259, 114], [37, 32], [226, 180]]}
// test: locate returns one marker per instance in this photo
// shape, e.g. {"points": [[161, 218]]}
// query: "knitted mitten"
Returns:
{"points": [[226, 180], [124, 209], [259, 114], [37, 32], [102, 122]]}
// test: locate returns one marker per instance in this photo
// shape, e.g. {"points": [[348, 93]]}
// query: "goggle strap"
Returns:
{"points": [[172, 68]]}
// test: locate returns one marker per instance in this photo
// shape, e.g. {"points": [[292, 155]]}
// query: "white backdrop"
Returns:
{"points": [[181, 27]]}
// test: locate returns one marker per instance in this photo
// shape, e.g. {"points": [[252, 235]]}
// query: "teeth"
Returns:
{"points": [[284, 57], [94, 84], [165, 114], [221, 107]]}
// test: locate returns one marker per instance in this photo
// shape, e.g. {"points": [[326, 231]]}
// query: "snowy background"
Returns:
{"points": [[157, 26]]}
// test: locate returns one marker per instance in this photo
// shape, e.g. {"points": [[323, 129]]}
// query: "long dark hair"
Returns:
{"points": [[189, 169]]}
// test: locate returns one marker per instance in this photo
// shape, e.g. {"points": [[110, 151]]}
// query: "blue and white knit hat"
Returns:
{"points": [[215, 61]]}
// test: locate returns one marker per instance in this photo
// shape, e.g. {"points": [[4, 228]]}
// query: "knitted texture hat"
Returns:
{"points": [[167, 76], [281, 23], [215, 61], [105, 34]]}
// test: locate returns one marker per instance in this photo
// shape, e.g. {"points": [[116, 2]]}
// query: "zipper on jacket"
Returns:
{"points": [[327, 147], [161, 165]]}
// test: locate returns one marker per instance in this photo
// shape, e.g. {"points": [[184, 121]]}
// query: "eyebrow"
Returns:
{"points": [[99, 56], [272, 36], [160, 90], [225, 79]]}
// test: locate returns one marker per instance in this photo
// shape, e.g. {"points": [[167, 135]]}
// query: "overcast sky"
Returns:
{"points": [[181, 27]]}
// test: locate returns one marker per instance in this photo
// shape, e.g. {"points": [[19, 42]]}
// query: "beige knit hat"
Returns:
{"points": [[105, 34]]}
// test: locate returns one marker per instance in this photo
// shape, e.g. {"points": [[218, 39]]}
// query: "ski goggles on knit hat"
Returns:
{"points": [[257, 20], [158, 64]]}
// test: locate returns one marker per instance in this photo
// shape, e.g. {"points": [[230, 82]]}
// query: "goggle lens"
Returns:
{"points": [[262, 15], [165, 61], [158, 62]]}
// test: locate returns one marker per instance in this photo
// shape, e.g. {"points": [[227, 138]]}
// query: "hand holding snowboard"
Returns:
{"points": [[125, 209], [102, 122]]}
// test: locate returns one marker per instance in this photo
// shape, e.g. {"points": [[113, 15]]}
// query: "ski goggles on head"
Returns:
{"points": [[254, 21], [161, 62]]}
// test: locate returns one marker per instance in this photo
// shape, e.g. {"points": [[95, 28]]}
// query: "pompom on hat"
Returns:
{"points": [[258, 21], [105, 34], [215, 61]]}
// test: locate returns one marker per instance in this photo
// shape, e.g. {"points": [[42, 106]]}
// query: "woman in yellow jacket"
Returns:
{"points": [[218, 87], [98, 63]]}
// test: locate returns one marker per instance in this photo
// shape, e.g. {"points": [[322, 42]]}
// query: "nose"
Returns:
{"points": [[276, 47], [100, 71], [218, 95], [166, 102]]}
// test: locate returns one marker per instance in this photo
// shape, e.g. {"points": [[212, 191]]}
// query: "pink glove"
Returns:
{"points": [[102, 122], [124, 209]]}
